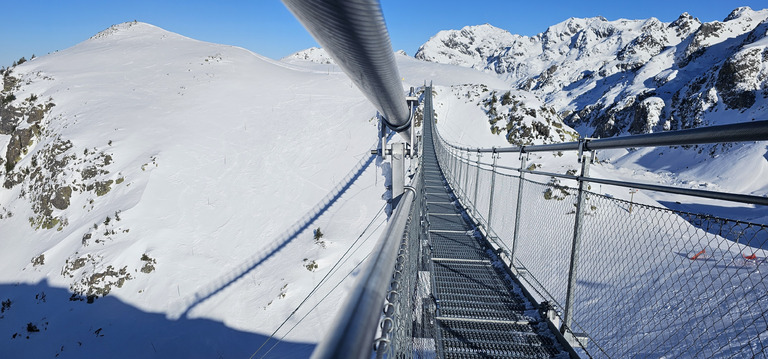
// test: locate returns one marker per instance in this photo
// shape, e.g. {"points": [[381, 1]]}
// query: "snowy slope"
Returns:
{"points": [[169, 171]]}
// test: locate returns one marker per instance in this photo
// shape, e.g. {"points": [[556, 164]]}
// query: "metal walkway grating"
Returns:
{"points": [[480, 311]]}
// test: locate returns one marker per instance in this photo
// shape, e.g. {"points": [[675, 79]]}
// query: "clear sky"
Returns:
{"points": [[265, 26]]}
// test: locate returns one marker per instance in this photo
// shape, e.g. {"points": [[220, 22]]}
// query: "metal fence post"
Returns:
{"points": [[515, 237], [493, 184], [466, 179], [568, 317], [477, 180], [461, 174], [455, 167]]}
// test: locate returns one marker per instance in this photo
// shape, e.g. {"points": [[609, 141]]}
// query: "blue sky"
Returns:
{"points": [[265, 26]]}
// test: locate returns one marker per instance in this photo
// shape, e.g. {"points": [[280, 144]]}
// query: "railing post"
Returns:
{"points": [[585, 161], [495, 156], [454, 166], [518, 207], [460, 171], [457, 187], [466, 179], [477, 179]]}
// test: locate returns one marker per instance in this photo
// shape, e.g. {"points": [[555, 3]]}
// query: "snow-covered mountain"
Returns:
{"points": [[318, 56], [608, 78], [312, 54], [159, 195]]}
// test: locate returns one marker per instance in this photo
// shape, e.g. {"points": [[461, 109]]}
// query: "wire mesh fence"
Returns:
{"points": [[649, 281], [395, 339], [482, 193]]}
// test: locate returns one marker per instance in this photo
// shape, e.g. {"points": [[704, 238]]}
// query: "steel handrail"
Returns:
{"points": [[737, 132], [352, 334]]}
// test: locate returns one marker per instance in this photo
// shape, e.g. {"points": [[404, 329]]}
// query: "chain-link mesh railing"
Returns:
{"points": [[647, 281], [395, 339]]}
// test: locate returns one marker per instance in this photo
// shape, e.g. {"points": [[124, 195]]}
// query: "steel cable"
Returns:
{"points": [[354, 33], [323, 280]]}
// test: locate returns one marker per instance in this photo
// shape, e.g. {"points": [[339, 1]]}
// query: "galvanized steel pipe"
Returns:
{"points": [[736, 132], [354, 34], [353, 333]]}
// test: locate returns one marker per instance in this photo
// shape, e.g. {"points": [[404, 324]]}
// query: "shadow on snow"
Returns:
{"points": [[741, 232], [41, 321], [291, 234]]}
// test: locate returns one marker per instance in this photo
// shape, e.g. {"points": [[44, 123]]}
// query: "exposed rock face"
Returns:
{"points": [[647, 115], [61, 198], [738, 78], [520, 117], [524, 120], [23, 132], [608, 78]]}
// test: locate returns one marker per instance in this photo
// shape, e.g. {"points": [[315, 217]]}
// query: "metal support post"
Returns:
{"points": [[518, 208], [477, 180], [451, 165], [455, 172], [466, 179], [398, 169], [383, 136], [568, 317], [413, 103], [493, 184], [457, 187], [454, 166]]}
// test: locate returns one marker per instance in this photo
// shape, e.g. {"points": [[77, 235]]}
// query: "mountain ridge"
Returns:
{"points": [[636, 65]]}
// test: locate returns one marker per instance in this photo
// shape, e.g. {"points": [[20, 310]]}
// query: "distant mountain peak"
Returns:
{"points": [[312, 54], [469, 47], [739, 12], [120, 28]]}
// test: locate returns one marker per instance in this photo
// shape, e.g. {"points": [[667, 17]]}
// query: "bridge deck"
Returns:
{"points": [[480, 310]]}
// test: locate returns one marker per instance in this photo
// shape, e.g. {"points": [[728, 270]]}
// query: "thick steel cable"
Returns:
{"points": [[354, 34], [334, 270], [341, 259]]}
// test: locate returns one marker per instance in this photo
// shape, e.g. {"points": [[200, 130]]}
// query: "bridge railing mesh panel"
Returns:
{"points": [[649, 281], [395, 338], [671, 284], [547, 213]]}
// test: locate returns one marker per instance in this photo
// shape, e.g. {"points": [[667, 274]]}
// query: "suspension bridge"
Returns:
{"points": [[480, 260]]}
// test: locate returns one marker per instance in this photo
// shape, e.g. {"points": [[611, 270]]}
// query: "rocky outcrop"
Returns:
{"points": [[523, 119]]}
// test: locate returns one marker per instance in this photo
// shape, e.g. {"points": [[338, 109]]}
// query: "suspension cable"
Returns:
{"points": [[322, 281], [323, 298]]}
